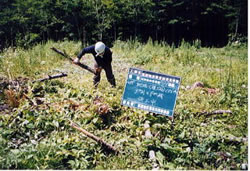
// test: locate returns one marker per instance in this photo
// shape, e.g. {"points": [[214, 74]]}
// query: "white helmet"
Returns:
{"points": [[99, 48]]}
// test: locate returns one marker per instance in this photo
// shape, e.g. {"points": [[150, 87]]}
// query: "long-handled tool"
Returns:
{"points": [[71, 59]]}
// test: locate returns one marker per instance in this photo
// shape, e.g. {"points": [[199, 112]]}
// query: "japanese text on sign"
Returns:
{"points": [[150, 91]]}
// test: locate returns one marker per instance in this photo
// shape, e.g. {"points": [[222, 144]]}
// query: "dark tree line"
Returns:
{"points": [[214, 22]]}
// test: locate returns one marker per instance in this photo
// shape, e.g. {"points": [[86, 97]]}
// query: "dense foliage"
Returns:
{"points": [[214, 22], [40, 137]]}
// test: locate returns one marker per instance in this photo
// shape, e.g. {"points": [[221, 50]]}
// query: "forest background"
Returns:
{"points": [[213, 22]]}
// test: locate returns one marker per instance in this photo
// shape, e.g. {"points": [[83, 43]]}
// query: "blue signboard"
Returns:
{"points": [[151, 91]]}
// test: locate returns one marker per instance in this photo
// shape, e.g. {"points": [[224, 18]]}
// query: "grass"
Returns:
{"points": [[32, 62], [41, 138]]}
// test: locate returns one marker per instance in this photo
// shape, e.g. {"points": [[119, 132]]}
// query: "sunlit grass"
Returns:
{"points": [[190, 142], [35, 61]]}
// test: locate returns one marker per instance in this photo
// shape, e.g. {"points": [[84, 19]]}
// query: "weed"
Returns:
{"points": [[39, 137]]}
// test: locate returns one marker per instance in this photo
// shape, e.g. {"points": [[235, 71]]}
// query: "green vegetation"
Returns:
{"points": [[40, 137]]}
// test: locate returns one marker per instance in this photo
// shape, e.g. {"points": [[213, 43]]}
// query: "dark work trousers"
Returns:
{"points": [[109, 74]]}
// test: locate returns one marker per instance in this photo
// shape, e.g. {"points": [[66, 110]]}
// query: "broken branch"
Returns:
{"points": [[214, 112], [50, 77], [99, 140], [71, 59]]}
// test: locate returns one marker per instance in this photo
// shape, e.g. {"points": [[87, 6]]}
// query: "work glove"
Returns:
{"points": [[76, 60]]}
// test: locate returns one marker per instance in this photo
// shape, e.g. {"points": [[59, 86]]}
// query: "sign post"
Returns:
{"points": [[151, 91]]}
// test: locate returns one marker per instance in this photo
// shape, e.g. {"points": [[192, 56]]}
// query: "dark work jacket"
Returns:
{"points": [[103, 61]]}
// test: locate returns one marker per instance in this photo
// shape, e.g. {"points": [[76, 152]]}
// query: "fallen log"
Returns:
{"points": [[214, 112], [97, 139], [50, 77], [71, 59]]}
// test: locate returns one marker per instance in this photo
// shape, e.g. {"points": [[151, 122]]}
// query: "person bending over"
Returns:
{"points": [[103, 59]]}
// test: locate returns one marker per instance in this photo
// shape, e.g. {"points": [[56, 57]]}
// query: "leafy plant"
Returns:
{"points": [[40, 136]]}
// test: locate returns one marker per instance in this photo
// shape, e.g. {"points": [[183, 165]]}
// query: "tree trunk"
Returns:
{"points": [[84, 36], [115, 32]]}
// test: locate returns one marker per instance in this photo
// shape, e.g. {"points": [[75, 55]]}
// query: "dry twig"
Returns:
{"points": [[50, 77], [216, 112], [97, 139]]}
